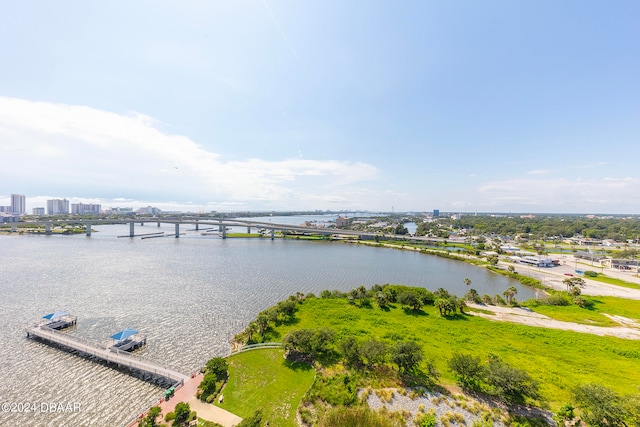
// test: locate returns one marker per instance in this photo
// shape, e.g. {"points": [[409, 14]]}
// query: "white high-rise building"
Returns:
{"points": [[18, 204], [58, 207], [85, 208]]}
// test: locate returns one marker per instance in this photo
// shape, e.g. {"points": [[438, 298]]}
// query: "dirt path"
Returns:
{"points": [[524, 316]]}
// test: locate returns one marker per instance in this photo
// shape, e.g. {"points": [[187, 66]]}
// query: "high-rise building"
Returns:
{"points": [[38, 211], [57, 207], [436, 213], [18, 204], [85, 208]]}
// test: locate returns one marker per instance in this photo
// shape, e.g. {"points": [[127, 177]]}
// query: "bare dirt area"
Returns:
{"points": [[629, 328]]}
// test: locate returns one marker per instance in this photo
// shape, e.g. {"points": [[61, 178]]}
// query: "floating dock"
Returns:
{"points": [[109, 355]]}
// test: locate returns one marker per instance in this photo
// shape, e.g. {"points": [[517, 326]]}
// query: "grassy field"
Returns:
{"points": [[595, 314], [615, 281], [262, 379], [559, 360]]}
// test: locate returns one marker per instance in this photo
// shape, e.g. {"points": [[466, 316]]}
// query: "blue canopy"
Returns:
{"points": [[55, 315], [124, 334]]}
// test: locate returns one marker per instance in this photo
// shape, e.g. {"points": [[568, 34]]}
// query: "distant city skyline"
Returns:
{"points": [[493, 106]]}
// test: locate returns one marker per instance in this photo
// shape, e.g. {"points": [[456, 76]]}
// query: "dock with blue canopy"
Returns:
{"points": [[127, 340], [59, 320], [118, 355]]}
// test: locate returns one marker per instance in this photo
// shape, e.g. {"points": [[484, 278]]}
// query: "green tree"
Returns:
{"points": [[460, 304], [573, 281], [253, 420], [510, 293], [599, 405], [468, 369], [251, 329], [410, 298], [407, 355], [151, 419], [314, 343], [374, 352], [509, 383], [218, 366], [182, 413], [350, 349], [401, 229], [444, 306], [473, 296], [382, 299], [263, 322], [467, 282]]}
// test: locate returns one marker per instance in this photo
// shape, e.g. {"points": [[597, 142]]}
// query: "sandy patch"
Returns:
{"points": [[629, 330]]}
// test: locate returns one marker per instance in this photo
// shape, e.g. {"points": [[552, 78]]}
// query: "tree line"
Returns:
{"points": [[619, 229]]}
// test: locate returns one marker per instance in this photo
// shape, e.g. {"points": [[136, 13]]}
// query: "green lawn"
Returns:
{"points": [[262, 379], [559, 360]]}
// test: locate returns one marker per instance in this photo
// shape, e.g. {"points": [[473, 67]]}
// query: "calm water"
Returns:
{"points": [[188, 295]]}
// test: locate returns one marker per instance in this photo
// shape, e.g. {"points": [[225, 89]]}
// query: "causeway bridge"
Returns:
{"points": [[111, 356], [222, 225]]}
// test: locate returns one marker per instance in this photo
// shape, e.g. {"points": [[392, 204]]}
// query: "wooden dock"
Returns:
{"points": [[118, 357]]}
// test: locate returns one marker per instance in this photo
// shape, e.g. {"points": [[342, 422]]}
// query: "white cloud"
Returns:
{"points": [[76, 150]]}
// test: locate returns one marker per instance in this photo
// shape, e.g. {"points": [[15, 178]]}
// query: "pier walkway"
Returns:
{"points": [[121, 358]]}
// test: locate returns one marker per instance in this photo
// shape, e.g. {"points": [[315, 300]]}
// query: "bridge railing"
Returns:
{"points": [[256, 347]]}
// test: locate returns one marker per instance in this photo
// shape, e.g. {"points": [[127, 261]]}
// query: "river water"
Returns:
{"points": [[189, 296]]}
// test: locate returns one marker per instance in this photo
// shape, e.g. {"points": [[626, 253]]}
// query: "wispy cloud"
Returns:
{"points": [[79, 151]]}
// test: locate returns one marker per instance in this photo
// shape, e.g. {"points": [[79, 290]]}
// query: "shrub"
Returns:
{"points": [[337, 390], [556, 298], [355, 417], [426, 420]]}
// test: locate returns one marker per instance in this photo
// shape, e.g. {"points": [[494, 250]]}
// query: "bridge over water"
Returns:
{"points": [[221, 224]]}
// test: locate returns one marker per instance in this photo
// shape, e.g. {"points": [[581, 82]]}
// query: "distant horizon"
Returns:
{"points": [[5, 201]]}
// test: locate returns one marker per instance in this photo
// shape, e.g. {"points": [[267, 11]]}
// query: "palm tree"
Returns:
{"points": [[510, 293], [467, 282], [251, 329], [262, 321]]}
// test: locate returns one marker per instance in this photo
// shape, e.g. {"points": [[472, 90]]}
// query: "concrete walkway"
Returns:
{"points": [[211, 412], [207, 411]]}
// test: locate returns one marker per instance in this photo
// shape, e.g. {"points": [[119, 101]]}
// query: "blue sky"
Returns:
{"points": [[528, 106]]}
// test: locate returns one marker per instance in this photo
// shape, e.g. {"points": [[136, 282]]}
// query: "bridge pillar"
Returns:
{"points": [[224, 231], [248, 230], [47, 229], [142, 223], [158, 224], [220, 228], [88, 230], [177, 230], [197, 226], [131, 233], [273, 233]]}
